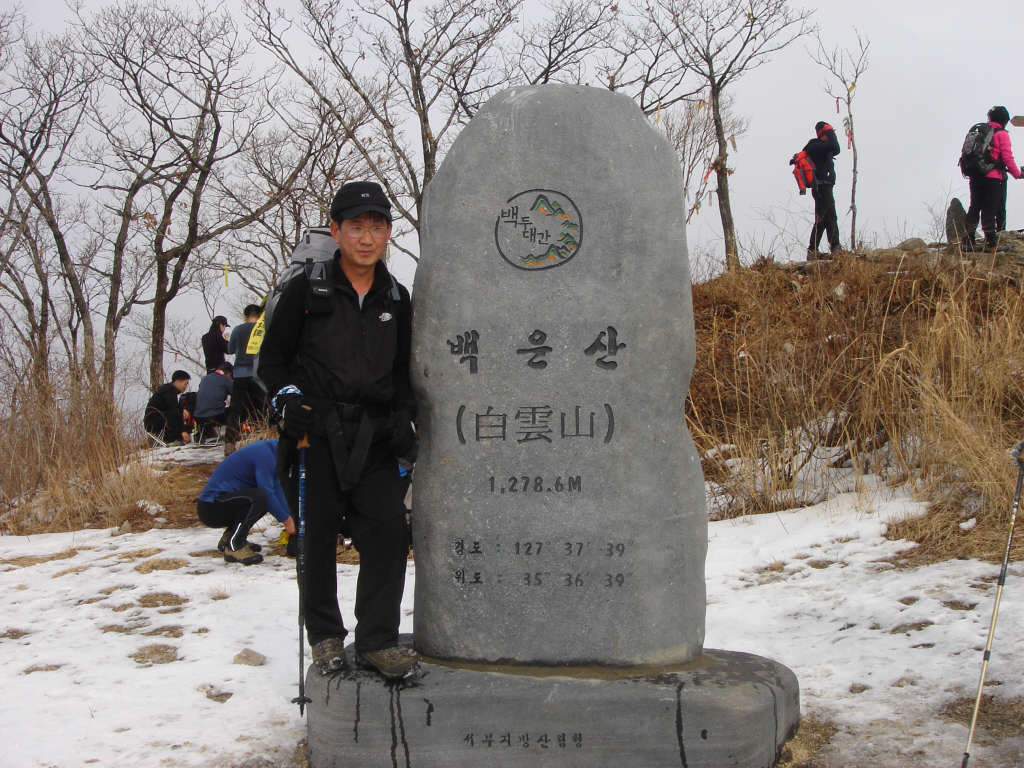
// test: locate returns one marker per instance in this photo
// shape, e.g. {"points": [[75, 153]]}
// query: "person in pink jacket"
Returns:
{"points": [[988, 192]]}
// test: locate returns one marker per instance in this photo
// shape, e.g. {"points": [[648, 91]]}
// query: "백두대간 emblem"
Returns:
{"points": [[539, 229]]}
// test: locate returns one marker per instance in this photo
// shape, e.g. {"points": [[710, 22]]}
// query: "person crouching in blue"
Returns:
{"points": [[242, 489]]}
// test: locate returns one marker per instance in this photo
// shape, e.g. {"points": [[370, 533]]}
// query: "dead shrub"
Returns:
{"points": [[902, 368], [70, 459]]}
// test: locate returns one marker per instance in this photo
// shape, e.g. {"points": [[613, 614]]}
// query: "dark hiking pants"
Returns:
{"points": [[373, 513], [988, 205], [237, 511], [825, 219]]}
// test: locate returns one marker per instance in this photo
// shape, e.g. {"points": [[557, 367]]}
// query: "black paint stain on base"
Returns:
{"points": [[397, 728], [355, 726], [679, 725]]}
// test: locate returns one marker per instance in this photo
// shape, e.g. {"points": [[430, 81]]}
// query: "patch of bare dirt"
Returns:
{"points": [[149, 655], [30, 560], [161, 599], [161, 564]]}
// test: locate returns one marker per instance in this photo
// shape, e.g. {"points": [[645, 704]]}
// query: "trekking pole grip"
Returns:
{"points": [[1017, 451]]}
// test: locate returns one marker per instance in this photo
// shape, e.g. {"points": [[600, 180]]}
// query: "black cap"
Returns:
{"points": [[221, 320], [226, 367], [359, 197], [179, 375], [999, 115]]}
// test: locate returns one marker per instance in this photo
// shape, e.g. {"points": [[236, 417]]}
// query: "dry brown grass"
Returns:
{"points": [[999, 718], [907, 369], [801, 751], [70, 460]]}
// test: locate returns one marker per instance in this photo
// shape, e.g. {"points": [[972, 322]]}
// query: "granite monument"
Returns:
{"points": [[559, 516]]}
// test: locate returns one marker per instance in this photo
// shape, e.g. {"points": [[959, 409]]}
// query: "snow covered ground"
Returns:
{"points": [[121, 650]]}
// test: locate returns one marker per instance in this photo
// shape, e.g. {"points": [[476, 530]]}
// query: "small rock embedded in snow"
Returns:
{"points": [[250, 658], [840, 292], [126, 527], [159, 519], [969, 524]]}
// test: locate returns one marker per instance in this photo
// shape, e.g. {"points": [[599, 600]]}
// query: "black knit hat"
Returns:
{"points": [[358, 197], [999, 115]]}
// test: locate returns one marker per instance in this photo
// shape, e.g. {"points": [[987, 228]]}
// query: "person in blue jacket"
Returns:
{"points": [[822, 149], [242, 489]]}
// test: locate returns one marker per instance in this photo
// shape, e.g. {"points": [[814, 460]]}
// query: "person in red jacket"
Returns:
{"points": [[988, 192]]}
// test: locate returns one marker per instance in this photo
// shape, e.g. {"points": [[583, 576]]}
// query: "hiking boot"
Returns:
{"points": [[245, 556], [393, 663], [329, 655], [223, 543]]}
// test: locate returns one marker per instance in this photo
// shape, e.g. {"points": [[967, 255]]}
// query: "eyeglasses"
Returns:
{"points": [[357, 232]]}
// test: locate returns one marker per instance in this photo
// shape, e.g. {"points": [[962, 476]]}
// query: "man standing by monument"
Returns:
{"points": [[335, 360]]}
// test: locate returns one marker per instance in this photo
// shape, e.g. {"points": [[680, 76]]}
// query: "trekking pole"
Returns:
{"points": [[300, 571], [999, 593]]}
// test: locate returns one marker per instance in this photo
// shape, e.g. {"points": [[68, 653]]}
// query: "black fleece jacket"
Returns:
{"points": [[351, 354]]}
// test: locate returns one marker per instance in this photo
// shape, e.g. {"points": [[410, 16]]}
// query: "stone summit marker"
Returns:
{"points": [[560, 526]]}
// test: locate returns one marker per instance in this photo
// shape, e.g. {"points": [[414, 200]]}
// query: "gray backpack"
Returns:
{"points": [[313, 255]]}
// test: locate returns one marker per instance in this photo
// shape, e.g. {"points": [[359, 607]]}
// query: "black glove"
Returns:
{"points": [[403, 436], [297, 415]]}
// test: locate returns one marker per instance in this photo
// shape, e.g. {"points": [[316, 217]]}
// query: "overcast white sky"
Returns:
{"points": [[936, 66]]}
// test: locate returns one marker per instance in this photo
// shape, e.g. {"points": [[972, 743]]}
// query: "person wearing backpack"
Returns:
{"points": [[248, 400], [821, 150], [988, 187], [335, 361]]}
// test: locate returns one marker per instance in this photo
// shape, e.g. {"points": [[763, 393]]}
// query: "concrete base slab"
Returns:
{"points": [[725, 709]]}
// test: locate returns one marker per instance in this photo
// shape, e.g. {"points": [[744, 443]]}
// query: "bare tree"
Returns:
{"points": [[845, 67], [639, 61], [718, 41], [44, 93], [181, 109], [691, 130], [415, 74], [560, 46], [258, 253]]}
